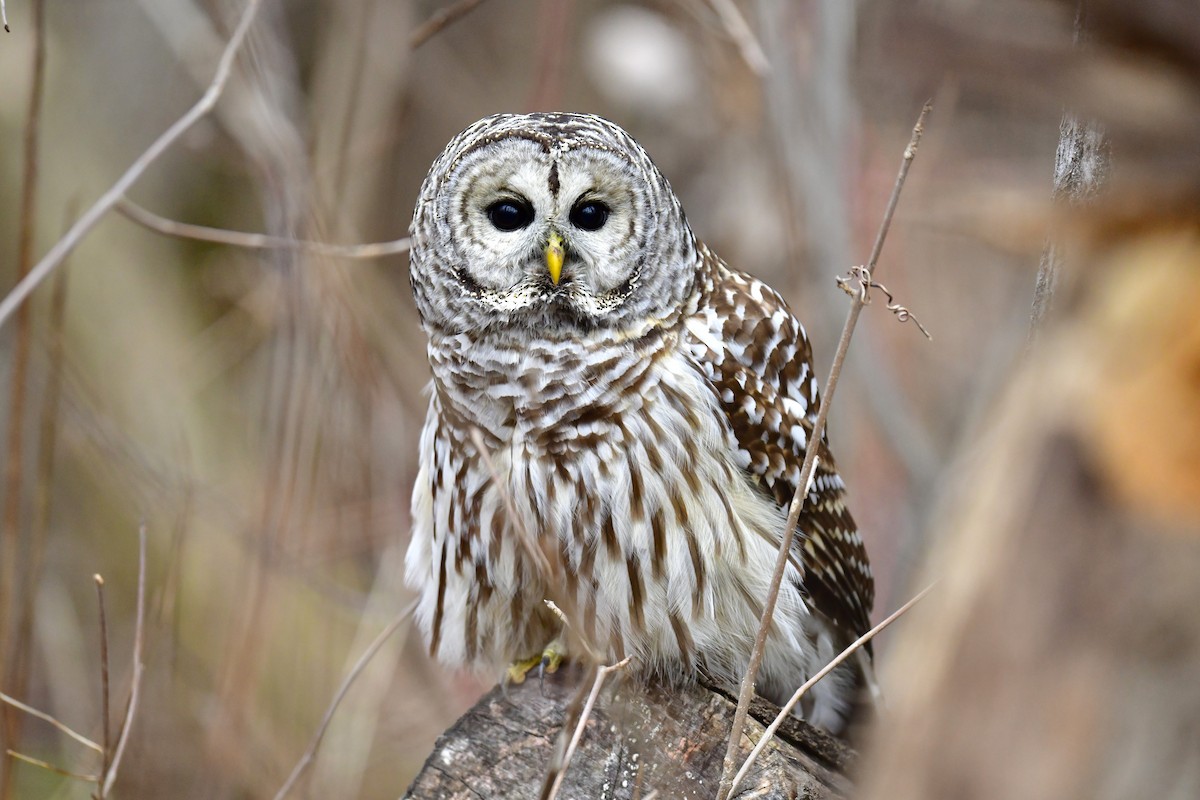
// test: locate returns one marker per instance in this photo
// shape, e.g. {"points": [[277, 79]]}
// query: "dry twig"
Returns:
{"points": [[444, 18], [14, 474], [104, 715], [353, 674], [739, 30], [46, 765], [42, 715], [540, 563], [602, 674], [93, 215], [850, 650], [254, 241], [807, 470], [110, 775]]}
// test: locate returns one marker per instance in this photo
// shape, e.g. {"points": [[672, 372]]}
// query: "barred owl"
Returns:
{"points": [[617, 424]]}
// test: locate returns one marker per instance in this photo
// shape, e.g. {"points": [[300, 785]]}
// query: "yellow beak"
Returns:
{"points": [[554, 256]]}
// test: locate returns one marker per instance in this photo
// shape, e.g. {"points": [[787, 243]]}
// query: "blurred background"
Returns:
{"points": [[259, 410]]}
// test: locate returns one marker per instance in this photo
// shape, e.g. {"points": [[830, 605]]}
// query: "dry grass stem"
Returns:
{"points": [[857, 304], [602, 674], [136, 682], [442, 19], [104, 695], [42, 715], [16, 586], [540, 563], [739, 31], [347, 682], [93, 215], [46, 765], [255, 241], [850, 650]]}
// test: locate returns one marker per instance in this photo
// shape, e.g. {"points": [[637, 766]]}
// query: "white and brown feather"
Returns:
{"points": [[649, 443]]}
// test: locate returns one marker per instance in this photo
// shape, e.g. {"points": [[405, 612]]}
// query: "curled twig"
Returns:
{"points": [[861, 276], [746, 692]]}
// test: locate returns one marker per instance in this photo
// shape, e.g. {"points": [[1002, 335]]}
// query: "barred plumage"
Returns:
{"points": [[645, 415]]}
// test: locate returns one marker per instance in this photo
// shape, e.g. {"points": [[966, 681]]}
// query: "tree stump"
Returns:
{"points": [[639, 738]]}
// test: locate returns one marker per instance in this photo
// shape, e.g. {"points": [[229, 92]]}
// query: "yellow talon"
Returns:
{"points": [[519, 669], [552, 656], [549, 661]]}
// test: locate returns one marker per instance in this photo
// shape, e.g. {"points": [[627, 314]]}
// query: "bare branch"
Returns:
{"points": [[442, 19], [136, 682], [736, 26], [351, 676], [37, 762], [540, 563], [104, 713], [93, 215], [42, 715], [602, 674], [808, 469], [254, 241], [808, 684]]}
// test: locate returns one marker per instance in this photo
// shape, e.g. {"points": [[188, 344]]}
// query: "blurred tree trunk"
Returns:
{"points": [[1060, 657], [638, 739]]}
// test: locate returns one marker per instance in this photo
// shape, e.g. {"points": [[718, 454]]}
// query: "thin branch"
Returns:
{"points": [[93, 215], [739, 30], [104, 713], [42, 715], [602, 674], [808, 684], [442, 19], [254, 241], [136, 682], [540, 563], [37, 762], [808, 469], [358, 667], [14, 475]]}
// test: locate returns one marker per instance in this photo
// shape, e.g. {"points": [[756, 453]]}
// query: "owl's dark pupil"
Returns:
{"points": [[510, 215], [589, 216]]}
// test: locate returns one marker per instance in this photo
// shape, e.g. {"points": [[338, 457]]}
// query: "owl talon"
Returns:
{"points": [[517, 670]]}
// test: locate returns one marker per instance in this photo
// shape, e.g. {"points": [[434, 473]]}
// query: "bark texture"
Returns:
{"points": [[637, 739]]}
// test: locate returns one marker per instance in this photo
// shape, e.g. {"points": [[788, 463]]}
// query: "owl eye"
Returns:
{"points": [[589, 216], [510, 215]]}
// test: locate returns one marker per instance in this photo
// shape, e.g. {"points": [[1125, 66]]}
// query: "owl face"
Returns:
{"points": [[553, 221]]}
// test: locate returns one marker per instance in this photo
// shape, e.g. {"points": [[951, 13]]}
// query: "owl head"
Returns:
{"points": [[557, 222]]}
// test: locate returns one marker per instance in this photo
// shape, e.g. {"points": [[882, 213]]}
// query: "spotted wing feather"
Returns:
{"points": [[757, 356]]}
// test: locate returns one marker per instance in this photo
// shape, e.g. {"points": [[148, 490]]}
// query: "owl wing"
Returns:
{"points": [[758, 359]]}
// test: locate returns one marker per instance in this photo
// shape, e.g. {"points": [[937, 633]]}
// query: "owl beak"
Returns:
{"points": [[554, 256]]}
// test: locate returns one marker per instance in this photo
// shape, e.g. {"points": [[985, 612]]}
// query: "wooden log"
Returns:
{"points": [[639, 738]]}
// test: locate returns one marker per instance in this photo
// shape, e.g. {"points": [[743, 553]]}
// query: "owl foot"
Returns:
{"points": [[548, 662]]}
